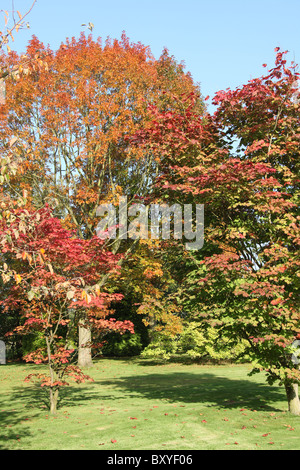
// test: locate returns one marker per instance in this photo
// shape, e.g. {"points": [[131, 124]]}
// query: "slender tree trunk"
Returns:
{"points": [[293, 398], [52, 391], [84, 351], [151, 328], [53, 400]]}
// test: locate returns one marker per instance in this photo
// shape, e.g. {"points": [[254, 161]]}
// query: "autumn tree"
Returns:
{"points": [[242, 163], [49, 275], [72, 111], [146, 279], [52, 279]]}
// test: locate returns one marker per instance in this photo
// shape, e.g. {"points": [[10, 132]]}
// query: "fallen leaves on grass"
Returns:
{"points": [[289, 427]]}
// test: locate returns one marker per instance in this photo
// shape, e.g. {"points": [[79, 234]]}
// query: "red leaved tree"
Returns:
{"points": [[242, 163], [52, 278]]}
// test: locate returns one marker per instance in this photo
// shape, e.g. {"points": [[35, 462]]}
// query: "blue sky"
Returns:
{"points": [[222, 42]]}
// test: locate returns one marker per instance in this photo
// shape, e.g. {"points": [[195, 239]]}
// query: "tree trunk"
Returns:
{"points": [[53, 400], [84, 351], [52, 390], [293, 398]]}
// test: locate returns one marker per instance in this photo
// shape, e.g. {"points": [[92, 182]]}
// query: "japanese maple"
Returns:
{"points": [[52, 279], [242, 163]]}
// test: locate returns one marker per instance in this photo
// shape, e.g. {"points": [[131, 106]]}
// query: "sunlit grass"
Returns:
{"points": [[144, 406]]}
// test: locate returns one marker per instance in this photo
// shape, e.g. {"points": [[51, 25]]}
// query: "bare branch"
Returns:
{"points": [[16, 24]]}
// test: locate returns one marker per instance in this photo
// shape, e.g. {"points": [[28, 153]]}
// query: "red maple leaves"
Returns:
{"points": [[242, 164], [54, 279]]}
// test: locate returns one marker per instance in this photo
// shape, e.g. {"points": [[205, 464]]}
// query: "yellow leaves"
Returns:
{"points": [[151, 243], [6, 214], [85, 296], [151, 273], [162, 314], [97, 290], [42, 255], [18, 278]]}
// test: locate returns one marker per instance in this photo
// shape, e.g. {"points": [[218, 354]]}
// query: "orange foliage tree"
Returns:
{"points": [[68, 116]]}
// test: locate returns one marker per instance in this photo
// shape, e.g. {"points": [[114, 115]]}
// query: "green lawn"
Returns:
{"points": [[144, 406]]}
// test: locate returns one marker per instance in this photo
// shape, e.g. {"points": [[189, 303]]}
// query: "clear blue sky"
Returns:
{"points": [[222, 42]]}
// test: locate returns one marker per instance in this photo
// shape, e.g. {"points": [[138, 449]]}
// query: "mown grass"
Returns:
{"points": [[145, 406]]}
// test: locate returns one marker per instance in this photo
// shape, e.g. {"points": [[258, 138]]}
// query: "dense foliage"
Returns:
{"points": [[90, 123], [242, 163]]}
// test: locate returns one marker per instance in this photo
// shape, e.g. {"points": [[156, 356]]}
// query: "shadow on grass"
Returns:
{"points": [[11, 427], [12, 423], [37, 397], [184, 387], [33, 398], [204, 388]]}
